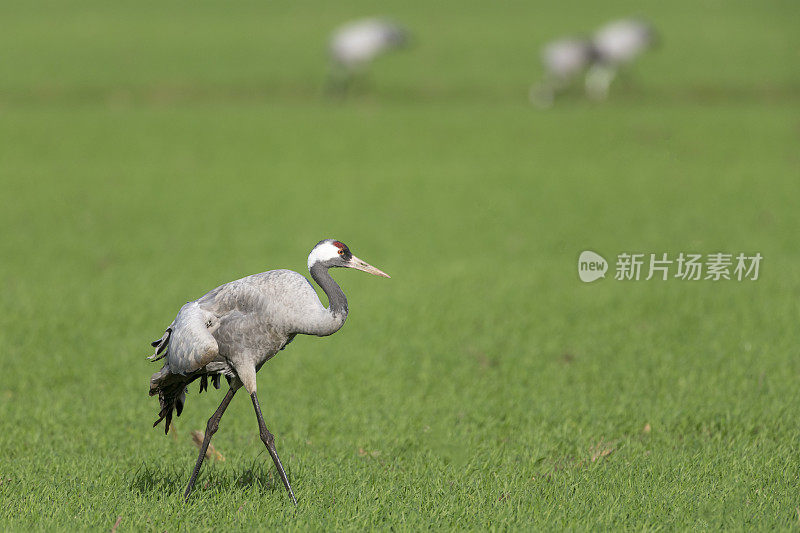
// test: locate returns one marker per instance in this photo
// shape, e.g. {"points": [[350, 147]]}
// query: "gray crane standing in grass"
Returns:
{"points": [[616, 45], [601, 57], [234, 329], [563, 61], [353, 47]]}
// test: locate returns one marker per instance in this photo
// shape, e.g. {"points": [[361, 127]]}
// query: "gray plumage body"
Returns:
{"points": [[359, 42], [240, 325]]}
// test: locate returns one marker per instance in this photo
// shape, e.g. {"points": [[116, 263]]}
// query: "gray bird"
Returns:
{"points": [[355, 45], [563, 61], [610, 49], [616, 45], [234, 329]]}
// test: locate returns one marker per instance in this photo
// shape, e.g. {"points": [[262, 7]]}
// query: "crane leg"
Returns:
{"points": [[269, 441], [211, 428], [338, 82]]}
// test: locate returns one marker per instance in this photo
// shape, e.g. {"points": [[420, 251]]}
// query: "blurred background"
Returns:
{"points": [[151, 151]]}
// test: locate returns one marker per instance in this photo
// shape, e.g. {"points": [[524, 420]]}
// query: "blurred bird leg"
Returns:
{"points": [[542, 95], [598, 80], [338, 81]]}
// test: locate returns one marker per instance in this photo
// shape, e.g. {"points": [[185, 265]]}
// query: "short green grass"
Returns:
{"points": [[149, 152]]}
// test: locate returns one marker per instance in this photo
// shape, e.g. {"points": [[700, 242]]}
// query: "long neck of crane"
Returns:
{"points": [[337, 302]]}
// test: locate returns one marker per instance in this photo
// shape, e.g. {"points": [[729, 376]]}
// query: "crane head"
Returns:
{"points": [[332, 253]]}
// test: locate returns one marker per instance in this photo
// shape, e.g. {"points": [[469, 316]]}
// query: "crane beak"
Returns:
{"points": [[358, 264]]}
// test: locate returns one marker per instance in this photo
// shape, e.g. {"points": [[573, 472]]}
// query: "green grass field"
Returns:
{"points": [[150, 152]]}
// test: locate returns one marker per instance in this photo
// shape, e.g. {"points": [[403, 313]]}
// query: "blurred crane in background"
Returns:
{"points": [[616, 45], [563, 61], [600, 58], [353, 47]]}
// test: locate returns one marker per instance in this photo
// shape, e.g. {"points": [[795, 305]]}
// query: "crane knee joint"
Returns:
{"points": [[267, 438]]}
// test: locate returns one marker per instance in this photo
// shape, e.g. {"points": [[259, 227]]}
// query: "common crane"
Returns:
{"points": [[234, 329], [353, 47]]}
